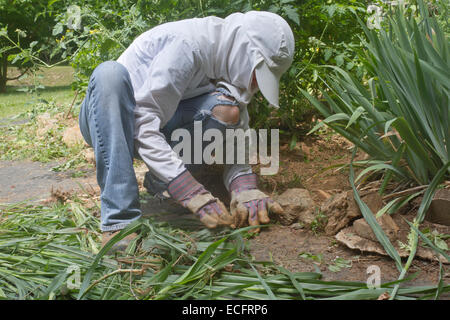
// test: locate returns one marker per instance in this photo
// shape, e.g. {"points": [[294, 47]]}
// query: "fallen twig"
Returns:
{"points": [[71, 106], [404, 192], [106, 276]]}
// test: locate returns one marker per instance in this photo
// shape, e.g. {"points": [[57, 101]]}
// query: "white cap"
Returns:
{"points": [[268, 83], [274, 39]]}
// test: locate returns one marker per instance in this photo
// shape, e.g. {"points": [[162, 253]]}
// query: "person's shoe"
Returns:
{"points": [[122, 245]]}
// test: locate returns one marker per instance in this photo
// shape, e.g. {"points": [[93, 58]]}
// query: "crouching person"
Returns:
{"points": [[173, 76]]}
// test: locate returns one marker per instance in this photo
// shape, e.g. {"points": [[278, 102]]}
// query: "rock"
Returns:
{"points": [[439, 211], [323, 194], [45, 123], [298, 151], [306, 217], [342, 209], [305, 150], [374, 201], [384, 296], [72, 136], [89, 155], [297, 226], [349, 238], [298, 206], [386, 222]]}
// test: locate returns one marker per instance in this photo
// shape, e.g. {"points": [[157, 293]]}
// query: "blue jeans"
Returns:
{"points": [[200, 109], [107, 124]]}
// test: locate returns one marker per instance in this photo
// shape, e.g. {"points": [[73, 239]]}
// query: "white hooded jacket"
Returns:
{"points": [[183, 59]]}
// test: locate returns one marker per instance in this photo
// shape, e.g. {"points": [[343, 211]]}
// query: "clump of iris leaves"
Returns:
{"points": [[399, 116], [52, 252]]}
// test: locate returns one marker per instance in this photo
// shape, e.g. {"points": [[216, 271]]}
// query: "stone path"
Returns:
{"points": [[27, 181], [7, 122], [33, 181]]}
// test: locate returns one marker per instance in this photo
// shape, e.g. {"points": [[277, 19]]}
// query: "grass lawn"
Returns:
{"points": [[57, 83]]}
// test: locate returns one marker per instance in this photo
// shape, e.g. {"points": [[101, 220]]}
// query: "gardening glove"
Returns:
{"points": [[192, 195], [250, 204]]}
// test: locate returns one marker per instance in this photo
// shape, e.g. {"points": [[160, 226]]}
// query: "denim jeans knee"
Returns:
{"points": [[107, 124], [200, 109]]}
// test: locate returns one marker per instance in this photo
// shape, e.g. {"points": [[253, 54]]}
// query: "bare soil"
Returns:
{"points": [[306, 167], [285, 244], [302, 167]]}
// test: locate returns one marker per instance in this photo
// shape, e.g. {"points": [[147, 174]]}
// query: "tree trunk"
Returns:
{"points": [[3, 72]]}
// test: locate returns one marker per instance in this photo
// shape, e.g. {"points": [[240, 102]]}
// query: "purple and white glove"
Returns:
{"points": [[192, 195], [250, 204]]}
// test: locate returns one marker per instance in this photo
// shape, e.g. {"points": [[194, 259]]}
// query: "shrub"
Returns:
{"points": [[400, 115]]}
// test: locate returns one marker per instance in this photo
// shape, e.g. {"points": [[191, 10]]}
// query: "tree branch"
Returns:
{"points": [[18, 77]]}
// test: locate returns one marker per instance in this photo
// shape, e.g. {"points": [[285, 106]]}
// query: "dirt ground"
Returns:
{"points": [[285, 244], [302, 250], [293, 247]]}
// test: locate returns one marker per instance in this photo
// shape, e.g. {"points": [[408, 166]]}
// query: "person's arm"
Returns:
{"points": [[232, 171], [248, 203], [156, 102]]}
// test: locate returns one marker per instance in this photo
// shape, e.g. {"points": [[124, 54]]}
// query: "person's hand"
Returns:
{"points": [[192, 195], [250, 205]]}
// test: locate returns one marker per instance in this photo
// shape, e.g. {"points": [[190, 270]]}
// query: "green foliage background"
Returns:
{"points": [[27, 22], [325, 32]]}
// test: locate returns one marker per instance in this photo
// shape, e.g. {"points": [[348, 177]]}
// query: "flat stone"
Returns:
{"points": [[297, 226], [45, 123], [298, 206], [8, 122], [72, 136], [342, 209], [352, 240], [386, 222], [439, 211], [89, 155], [34, 181]]}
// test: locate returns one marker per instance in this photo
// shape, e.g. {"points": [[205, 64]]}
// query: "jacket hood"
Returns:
{"points": [[245, 40]]}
